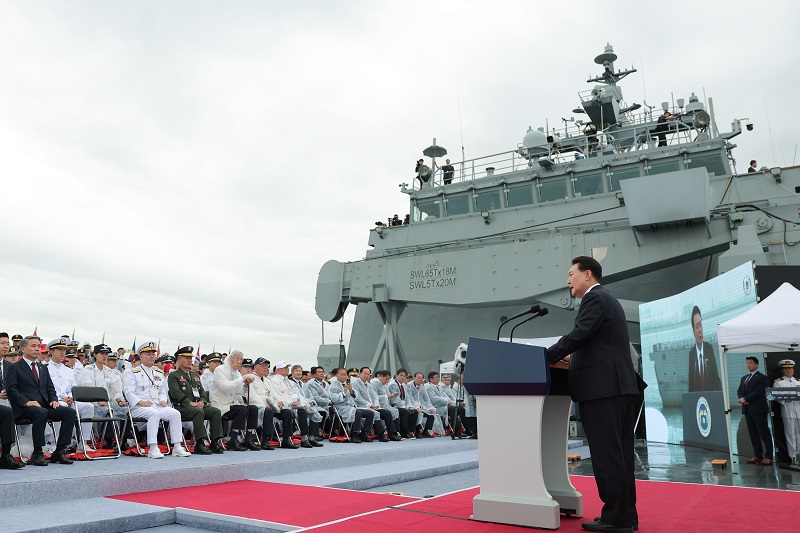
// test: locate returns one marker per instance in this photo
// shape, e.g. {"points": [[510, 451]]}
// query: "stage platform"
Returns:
{"points": [[126, 494]]}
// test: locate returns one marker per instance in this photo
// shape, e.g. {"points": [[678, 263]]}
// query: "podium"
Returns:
{"points": [[523, 423]]}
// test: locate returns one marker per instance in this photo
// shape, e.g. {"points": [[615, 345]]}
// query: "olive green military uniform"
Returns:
{"points": [[185, 388]]}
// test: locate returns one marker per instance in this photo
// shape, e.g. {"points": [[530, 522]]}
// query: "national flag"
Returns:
{"points": [[73, 333], [35, 330], [133, 350], [197, 357], [158, 352]]}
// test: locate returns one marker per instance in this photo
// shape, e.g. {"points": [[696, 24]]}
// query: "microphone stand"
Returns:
{"points": [[537, 314], [534, 309]]}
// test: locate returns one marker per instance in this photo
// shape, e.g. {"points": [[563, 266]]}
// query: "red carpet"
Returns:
{"points": [[273, 502], [663, 507]]}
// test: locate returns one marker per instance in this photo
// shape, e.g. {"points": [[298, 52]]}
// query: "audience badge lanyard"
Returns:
{"points": [[195, 390], [153, 386]]}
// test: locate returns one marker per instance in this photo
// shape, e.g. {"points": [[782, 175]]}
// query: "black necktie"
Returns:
{"points": [[747, 381]]}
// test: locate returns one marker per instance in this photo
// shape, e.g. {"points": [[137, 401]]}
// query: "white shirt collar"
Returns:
{"points": [[590, 288]]}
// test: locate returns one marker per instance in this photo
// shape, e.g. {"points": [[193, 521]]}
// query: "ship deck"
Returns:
{"points": [[77, 498]]}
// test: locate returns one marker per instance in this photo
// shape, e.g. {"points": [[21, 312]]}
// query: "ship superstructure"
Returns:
{"points": [[655, 202]]}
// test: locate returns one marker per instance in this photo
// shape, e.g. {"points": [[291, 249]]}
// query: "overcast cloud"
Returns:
{"points": [[181, 170]]}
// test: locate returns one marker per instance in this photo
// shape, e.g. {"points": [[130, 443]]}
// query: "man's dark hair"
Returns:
{"points": [[419, 374], [432, 374], [385, 373], [752, 161], [3, 335], [753, 359], [587, 263], [403, 370], [336, 370], [695, 311], [361, 370], [313, 369]]}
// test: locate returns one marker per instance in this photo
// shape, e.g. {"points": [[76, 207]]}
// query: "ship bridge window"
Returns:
{"points": [[427, 208], [623, 174], [662, 168], [554, 189], [487, 200], [712, 163], [588, 184], [520, 195], [456, 205]]}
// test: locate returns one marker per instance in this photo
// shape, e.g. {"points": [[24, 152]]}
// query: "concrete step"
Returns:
{"points": [[91, 479]]}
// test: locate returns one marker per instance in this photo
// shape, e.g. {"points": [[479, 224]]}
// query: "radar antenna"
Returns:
{"points": [[609, 77]]}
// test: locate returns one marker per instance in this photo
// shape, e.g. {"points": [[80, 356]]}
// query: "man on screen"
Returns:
{"points": [[703, 373]]}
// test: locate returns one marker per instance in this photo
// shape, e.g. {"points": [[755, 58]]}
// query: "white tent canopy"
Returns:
{"points": [[771, 326]]}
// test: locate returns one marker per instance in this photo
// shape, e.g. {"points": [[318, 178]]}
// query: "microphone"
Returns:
{"points": [[537, 314], [533, 309]]}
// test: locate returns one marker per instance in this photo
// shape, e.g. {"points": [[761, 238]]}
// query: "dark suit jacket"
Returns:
{"points": [[6, 366], [711, 381], [22, 387], [756, 394], [600, 366]]}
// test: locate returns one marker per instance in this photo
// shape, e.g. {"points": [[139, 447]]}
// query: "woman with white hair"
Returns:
{"points": [[226, 394]]}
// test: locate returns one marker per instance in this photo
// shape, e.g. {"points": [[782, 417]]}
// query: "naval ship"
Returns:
{"points": [[656, 202]]}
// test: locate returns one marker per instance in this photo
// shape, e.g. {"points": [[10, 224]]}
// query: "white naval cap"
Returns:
{"points": [[61, 342], [785, 363]]}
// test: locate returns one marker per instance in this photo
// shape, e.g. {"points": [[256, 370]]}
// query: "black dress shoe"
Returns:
{"points": [[635, 526], [314, 443], [365, 437], [597, 525], [37, 459], [252, 446], [395, 437], [216, 447], [289, 445], [319, 438], [265, 445], [305, 444], [201, 449], [235, 446], [60, 457], [383, 438], [355, 439], [8, 463]]}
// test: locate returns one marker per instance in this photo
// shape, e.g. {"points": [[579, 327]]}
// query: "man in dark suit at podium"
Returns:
{"points": [[703, 373], [752, 395], [33, 396], [603, 382]]}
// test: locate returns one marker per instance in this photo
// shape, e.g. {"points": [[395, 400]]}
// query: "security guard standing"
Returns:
{"points": [[188, 396], [790, 411]]}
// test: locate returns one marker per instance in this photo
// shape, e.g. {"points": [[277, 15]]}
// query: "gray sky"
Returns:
{"points": [[181, 170]]}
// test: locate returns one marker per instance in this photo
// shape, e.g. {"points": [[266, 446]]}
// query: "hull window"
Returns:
{"points": [[662, 168], [588, 185], [517, 196], [624, 174], [712, 163], [487, 201], [552, 190], [457, 205], [428, 208]]}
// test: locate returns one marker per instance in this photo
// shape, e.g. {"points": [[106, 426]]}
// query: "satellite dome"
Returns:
{"points": [[534, 139]]}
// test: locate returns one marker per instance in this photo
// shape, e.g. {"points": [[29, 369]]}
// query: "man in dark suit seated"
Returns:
{"points": [[33, 396], [603, 382], [703, 373], [6, 414], [752, 395]]}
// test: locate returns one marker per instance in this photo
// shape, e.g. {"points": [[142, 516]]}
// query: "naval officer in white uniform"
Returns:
{"points": [[790, 411], [63, 378], [147, 392]]}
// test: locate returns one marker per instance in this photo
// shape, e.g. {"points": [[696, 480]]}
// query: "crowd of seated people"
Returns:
{"points": [[182, 403]]}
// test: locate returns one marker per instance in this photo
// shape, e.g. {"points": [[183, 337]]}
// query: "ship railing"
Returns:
{"points": [[638, 135]]}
